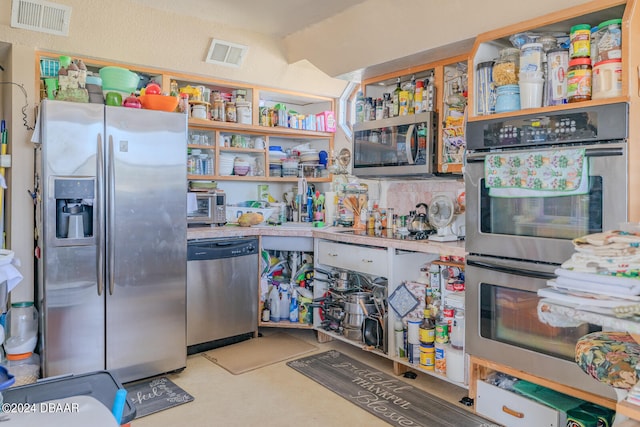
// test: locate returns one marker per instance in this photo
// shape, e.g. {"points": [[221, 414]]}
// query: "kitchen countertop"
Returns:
{"points": [[337, 234]]}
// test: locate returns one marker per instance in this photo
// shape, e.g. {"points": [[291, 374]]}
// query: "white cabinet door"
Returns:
{"points": [[367, 260]]}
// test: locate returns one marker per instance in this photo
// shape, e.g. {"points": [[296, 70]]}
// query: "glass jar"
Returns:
{"points": [[243, 112], [580, 41], [507, 66], [217, 109], [231, 112], [22, 328], [508, 98], [579, 80]]}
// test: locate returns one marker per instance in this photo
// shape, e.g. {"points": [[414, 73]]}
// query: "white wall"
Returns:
{"points": [[378, 31]]}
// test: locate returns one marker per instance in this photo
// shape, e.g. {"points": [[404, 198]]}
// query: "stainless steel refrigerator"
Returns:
{"points": [[111, 239]]}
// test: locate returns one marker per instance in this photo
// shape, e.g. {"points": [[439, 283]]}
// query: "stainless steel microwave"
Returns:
{"points": [[211, 209], [397, 146]]}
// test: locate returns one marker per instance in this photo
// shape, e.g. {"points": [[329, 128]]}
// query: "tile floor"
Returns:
{"points": [[276, 395]]}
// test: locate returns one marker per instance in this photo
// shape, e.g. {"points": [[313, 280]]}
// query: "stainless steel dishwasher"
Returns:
{"points": [[222, 291]]}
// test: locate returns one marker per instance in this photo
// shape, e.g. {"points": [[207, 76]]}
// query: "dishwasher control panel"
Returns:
{"points": [[207, 249]]}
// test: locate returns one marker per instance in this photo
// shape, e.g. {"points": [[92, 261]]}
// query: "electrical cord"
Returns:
{"points": [[26, 104]]}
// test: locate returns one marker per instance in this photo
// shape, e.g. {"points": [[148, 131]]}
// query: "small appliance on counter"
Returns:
{"points": [[209, 208]]}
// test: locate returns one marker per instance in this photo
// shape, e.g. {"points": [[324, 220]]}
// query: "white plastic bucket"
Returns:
{"points": [[607, 79]]}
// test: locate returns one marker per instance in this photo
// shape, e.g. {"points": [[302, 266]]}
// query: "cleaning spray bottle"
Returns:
{"points": [[293, 306], [274, 304]]}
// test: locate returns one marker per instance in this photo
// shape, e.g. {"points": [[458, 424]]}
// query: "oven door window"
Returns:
{"points": [[510, 316], [563, 217], [388, 146]]}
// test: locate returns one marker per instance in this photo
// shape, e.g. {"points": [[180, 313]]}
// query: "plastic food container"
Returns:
{"points": [[485, 90], [607, 79], [531, 57], [609, 40], [557, 65], [290, 167], [24, 367]]}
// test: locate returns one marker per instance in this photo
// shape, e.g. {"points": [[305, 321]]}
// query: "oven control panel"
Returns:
{"points": [[592, 124]]}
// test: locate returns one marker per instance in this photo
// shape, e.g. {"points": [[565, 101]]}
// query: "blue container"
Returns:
{"points": [[508, 98]]}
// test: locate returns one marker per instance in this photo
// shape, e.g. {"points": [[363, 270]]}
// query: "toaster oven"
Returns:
{"points": [[211, 209]]}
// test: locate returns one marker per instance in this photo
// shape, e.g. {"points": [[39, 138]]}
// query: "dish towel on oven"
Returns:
{"points": [[542, 173]]}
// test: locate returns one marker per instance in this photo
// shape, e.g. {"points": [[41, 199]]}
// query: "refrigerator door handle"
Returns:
{"points": [[110, 217], [98, 214]]}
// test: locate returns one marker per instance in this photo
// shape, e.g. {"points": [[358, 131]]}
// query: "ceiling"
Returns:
{"points": [[277, 18]]}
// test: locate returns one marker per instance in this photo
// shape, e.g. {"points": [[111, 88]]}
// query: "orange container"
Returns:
{"points": [[159, 102]]}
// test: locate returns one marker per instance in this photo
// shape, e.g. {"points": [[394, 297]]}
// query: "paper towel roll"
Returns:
{"points": [[329, 207], [455, 364]]}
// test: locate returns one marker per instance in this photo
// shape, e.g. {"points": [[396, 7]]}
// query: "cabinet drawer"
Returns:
{"points": [[353, 257], [513, 410]]}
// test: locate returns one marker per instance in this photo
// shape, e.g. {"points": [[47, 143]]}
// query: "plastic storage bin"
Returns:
{"points": [[24, 367], [101, 385]]}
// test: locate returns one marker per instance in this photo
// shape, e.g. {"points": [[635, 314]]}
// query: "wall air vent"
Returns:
{"points": [[40, 15], [226, 53]]}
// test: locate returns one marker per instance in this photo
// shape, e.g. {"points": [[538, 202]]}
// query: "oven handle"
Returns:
{"points": [[589, 152], [508, 270]]}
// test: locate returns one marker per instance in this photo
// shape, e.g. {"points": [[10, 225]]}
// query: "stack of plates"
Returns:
{"points": [[226, 164], [309, 156]]}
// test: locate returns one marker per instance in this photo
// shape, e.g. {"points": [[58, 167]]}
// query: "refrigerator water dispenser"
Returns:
{"points": [[74, 208]]}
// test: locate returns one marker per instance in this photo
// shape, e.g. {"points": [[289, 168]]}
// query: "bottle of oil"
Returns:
{"points": [[427, 328], [396, 99]]}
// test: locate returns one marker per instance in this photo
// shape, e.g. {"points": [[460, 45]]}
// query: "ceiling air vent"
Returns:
{"points": [[42, 16], [226, 53]]}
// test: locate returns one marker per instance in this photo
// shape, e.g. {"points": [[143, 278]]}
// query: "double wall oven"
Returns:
{"points": [[516, 238]]}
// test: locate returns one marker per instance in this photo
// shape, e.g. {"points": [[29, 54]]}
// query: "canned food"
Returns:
{"points": [[458, 285], [442, 332], [448, 312], [427, 335], [427, 357], [413, 351], [440, 358]]}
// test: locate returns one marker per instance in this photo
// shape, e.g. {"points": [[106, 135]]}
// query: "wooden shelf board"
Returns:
{"points": [[629, 409], [449, 263], [261, 130]]}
